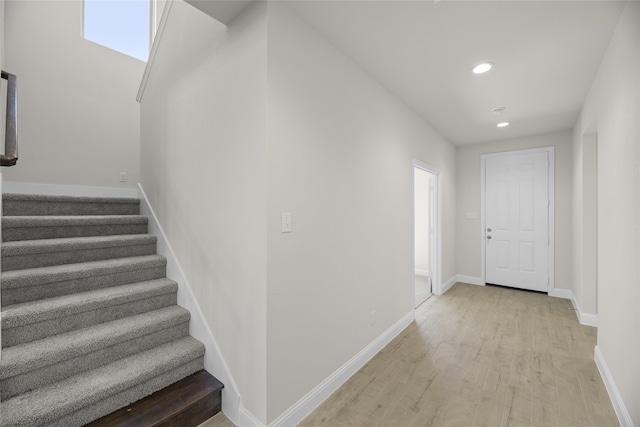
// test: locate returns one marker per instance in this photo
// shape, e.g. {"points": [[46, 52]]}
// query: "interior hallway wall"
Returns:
{"points": [[470, 237], [340, 159], [204, 172], [613, 103], [79, 122]]}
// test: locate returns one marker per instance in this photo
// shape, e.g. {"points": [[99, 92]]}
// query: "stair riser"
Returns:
{"points": [[68, 287], [59, 371], [117, 401], [38, 208], [200, 399], [204, 409], [22, 261], [35, 331], [36, 233]]}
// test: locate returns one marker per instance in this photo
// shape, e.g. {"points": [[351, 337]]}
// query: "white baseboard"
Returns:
{"points": [[315, 397], [587, 319], [447, 285], [66, 190], [624, 417], [247, 419], [472, 280], [561, 293], [420, 272], [214, 363]]}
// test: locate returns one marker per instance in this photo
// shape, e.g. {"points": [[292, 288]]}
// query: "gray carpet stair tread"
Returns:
{"points": [[38, 227], [52, 308], [89, 320], [47, 404], [29, 247], [37, 354], [73, 199], [29, 204], [58, 273], [71, 221]]}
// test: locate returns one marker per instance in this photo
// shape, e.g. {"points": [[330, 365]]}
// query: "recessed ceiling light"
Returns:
{"points": [[482, 68], [503, 124], [498, 111]]}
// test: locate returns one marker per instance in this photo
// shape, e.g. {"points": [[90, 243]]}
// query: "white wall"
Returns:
{"points": [[204, 171], [2, 34], [340, 159], [2, 110], [613, 104], [3, 83], [469, 237], [585, 199], [78, 118], [422, 216]]}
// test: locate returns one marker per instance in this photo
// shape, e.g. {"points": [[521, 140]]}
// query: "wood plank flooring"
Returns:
{"points": [[218, 421], [478, 356]]}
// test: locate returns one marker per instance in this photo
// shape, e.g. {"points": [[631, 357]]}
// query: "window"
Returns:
{"points": [[121, 25]]}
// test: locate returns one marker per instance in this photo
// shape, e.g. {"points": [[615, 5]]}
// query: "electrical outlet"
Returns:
{"points": [[123, 177], [372, 317]]}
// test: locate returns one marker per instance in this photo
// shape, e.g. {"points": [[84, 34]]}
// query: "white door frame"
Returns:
{"points": [[483, 159], [435, 248]]}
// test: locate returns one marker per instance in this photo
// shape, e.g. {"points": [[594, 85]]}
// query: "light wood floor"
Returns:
{"points": [[218, 421], [478, 356]]}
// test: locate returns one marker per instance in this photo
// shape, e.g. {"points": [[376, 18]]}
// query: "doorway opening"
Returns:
{"points": [[426, 183]]}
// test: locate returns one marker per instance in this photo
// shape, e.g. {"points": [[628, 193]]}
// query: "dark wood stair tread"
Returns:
{"points": [[189, 402]]}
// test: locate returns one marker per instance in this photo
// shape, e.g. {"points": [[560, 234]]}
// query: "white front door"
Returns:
{"points": [[517, 220]]}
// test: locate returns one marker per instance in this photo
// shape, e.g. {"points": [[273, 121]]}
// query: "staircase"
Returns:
{"points": [[90, 322]]}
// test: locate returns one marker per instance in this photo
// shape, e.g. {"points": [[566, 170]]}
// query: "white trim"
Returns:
{"points": [[315, 397], [551, 152], [587, 319], [436, 243], [471, 280], [247, 419], [624, 417], [66, 190], [154, 49], [561, 293], [198, 328], [420, 272], [448, 284]]}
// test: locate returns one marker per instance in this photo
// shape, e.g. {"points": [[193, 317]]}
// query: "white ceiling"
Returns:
{"points": [[546, 54]]}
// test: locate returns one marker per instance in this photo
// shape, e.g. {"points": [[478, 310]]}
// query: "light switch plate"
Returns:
{"points": [[286, 222]]}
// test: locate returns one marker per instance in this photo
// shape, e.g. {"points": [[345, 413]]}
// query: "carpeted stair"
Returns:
{"points": [[89, 320]]}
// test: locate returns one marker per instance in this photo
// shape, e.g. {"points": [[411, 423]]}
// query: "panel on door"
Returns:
{"points": [[517, 220]]}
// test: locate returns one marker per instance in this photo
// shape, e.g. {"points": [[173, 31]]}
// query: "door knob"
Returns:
{"points": [[489, 237], [489, 230]]}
